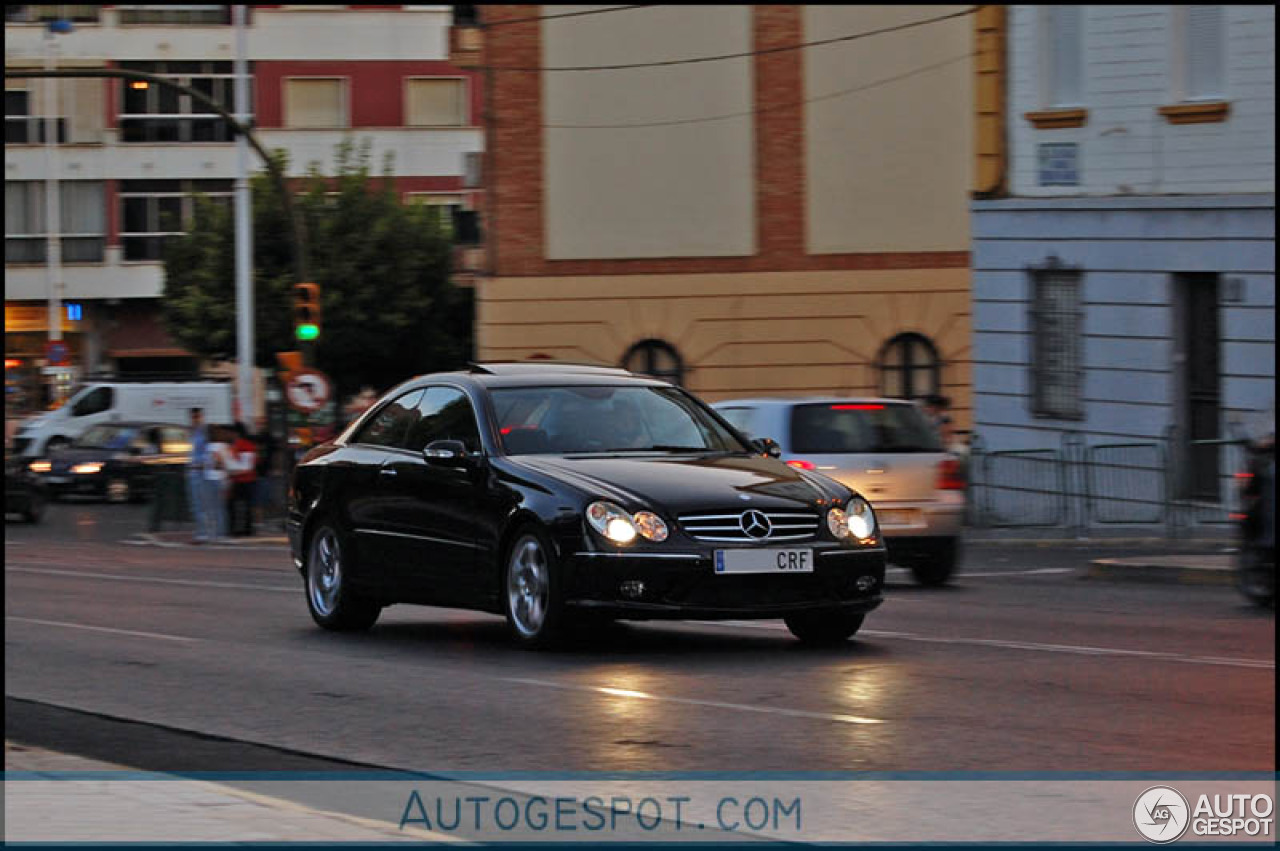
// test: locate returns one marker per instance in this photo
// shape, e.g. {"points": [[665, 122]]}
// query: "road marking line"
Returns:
{"points": [[154, 579], [688, 701], [101, 629], [1076, 649], [1039, 571]]}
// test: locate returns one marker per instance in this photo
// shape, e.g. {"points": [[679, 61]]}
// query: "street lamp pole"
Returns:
{"points": [[244, 241]]}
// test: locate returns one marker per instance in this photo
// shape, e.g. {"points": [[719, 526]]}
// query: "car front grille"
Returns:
{"points": [[732, 526]]}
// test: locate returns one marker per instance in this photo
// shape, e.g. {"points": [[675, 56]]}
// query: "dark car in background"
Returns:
{"points": [[541, 492], [114, 461], [23, 491]]}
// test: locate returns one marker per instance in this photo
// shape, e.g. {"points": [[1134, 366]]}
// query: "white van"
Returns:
{"points": [[123, 401]]}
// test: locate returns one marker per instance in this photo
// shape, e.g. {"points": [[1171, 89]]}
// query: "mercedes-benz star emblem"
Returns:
{"points": [[755, 524]]}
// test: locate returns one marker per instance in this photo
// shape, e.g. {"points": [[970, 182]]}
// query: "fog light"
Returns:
{"points": [[865, 583], [632, 588]]}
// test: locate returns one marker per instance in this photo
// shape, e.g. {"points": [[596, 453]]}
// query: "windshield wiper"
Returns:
{"points": [[663, 447]]}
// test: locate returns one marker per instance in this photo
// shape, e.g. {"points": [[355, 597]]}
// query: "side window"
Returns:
{"points": [[446, 414], [739, 418], [390, 425], [95, 402]]}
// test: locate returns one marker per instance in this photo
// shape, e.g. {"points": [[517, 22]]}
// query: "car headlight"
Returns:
{"points": [[861, 519], [40, 467], [855, 520], [620, 527], [88, 467]]}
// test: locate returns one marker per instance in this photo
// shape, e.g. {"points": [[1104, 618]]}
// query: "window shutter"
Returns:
{"points": [[1065, 48], [1204, 52], [314, 103], [435, 103]]}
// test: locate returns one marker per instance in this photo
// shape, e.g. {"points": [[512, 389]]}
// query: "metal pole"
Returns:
{"points": [[244, 241], [52, 209]]}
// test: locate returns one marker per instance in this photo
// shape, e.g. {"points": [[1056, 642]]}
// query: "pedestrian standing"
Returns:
{"points": [[244, 476], [197, 491], [216, 481]]}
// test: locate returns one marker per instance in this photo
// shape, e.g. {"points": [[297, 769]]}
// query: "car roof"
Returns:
{"points": [[815, 400], [536, 374]]}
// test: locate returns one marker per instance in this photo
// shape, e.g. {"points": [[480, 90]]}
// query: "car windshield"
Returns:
{"points": [[105, 437], [845, 427], [565, 420]]}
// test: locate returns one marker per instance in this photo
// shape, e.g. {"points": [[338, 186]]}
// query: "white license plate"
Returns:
{"points": [[764, 561], [899, 517]]}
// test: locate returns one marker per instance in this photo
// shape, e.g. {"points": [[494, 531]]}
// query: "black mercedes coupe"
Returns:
{"points": [[544, 491]]}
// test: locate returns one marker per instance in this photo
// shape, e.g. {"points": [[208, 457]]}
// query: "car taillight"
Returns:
{"points": [[801, 464], [949, 476]]}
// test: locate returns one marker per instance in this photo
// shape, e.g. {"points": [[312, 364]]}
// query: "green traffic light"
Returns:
{"points": [[307, 332]]}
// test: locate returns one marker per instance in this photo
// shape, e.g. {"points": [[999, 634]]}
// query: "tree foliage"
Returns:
{"points": [[389, 310]]}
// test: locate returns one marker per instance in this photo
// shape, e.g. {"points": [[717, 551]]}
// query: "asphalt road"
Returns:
{"points": [[210, 653]]}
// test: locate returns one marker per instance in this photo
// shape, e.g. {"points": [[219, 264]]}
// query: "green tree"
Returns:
{"points": [[389, 309]]}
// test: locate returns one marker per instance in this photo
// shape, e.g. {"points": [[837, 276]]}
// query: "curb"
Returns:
{"points": [[1193, 571], [263, 542]]}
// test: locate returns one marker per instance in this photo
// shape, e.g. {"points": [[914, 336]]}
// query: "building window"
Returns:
{"points": [[315, 102], [1201, 51], [40, 14], [82, 211], [1056, 373], [152, 210], [909, 367], [1058, 164], [1063, 56], [655, 358], [23, 128], [447, 208], [175, 14], [435, 103], [155, 113]]}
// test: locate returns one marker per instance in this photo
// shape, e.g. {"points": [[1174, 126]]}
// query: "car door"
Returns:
{"points": [[367, 489], [435, 509]]}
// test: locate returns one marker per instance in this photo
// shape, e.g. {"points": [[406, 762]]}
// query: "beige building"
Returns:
{"points": [[789, 220]]}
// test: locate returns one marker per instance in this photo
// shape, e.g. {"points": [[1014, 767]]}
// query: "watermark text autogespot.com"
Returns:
{"points": [[612, 814]]}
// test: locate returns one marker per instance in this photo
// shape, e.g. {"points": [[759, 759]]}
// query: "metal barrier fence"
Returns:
{"points": [[1171, 483]]}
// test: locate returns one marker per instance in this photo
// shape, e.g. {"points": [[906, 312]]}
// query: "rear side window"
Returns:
{"points": [[445, 414], [390, 426], [839, 427]]}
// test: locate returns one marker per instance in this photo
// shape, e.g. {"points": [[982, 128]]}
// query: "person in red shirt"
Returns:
{"points": [[244, 475]]}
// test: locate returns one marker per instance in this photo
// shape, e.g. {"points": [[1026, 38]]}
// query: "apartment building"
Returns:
{"points": [[1124, 246], [762, 200], [128, 156]]}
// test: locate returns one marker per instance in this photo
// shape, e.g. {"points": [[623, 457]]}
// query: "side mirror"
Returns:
{"points": [[767, 446], [447, 453]]}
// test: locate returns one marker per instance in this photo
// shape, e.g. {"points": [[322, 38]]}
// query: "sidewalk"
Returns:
{"points": [[1199, 569], [47, 803]]}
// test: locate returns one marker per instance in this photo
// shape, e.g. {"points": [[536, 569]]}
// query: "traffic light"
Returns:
{"points": [[306, 311]]}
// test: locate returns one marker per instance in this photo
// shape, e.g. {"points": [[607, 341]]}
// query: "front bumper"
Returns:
{"points": [[75, 483], [680, 586]]}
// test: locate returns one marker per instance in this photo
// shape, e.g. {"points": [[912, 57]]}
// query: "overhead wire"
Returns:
{"points": [[774, 108], [501, 21], [741, 55]]}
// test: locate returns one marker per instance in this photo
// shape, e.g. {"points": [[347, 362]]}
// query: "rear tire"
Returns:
{"points": [[825, 627], [332, 603], [938, 567]]}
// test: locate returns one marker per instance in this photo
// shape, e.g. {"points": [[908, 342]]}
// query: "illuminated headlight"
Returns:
{"points": [[860, 517], [612, 522], [87, 468], [40, 467], [615, 524]]}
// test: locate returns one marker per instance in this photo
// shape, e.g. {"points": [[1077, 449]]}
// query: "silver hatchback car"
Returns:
{"points": [[884, 448]]}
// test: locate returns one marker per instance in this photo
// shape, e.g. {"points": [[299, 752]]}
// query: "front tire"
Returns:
{"points": [[825, 627], [938, 566], [332, 603], [35, 508], [531, 596]]}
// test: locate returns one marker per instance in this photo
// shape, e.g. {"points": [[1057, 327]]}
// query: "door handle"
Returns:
{"points": [[388, 472]]}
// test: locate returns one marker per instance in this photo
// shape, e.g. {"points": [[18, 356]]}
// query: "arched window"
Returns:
{"points": [[656, 358], [909, 367]]}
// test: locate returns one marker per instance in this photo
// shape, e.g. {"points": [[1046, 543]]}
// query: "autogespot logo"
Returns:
{"points": [[1161, 814]]}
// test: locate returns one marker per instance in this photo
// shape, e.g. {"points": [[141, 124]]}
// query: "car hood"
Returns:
{"points": [[683, 483]]}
